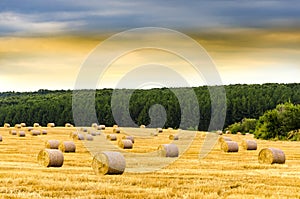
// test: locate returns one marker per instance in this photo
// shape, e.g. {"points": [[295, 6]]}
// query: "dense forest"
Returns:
{"points": [[243, 101]]}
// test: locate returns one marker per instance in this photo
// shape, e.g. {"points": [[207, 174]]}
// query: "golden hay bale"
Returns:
{"points": [[18, 126], [111, 137], [142, 126], [94, 125], [83, 129], [36, 125], [125, 144], [101, 127], [30, 128], [271, 156], [68, 125], [89, 137], [154, 134], [168, 150], [170, 128], [0, 138], [23, 124], [228, 132], [13, 132], [6, 125], [52, 144], [230, 146], [79, 136], [174, 137], [108, 162], [249, 144], [50, 158], [67, 147], [115, 126], [239, 133], [128, 138], [21, 134], [116, 130], [159, 130], [51, 125], [44, 132], [224, 139], [35, 132]]}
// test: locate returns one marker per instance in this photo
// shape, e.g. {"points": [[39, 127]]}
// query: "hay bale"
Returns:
{"points": [[116, 130], [219, 132], [44, 132], [0, 138], [108, 162], [128, 138], [168, 150], [142, 126], [68, 125], [249, 144], [239, 133], [18, 126], [125, 144], [51, 125], [95, 125], [67, 147], [89, 137], [174, 137], [271, 156], [30, 128], [170, 128], [50, 158], [52, 144], [224, 139], [101, 127], [159, 130], [115, 126], [79, 136], [35, 132], [21, 134], [23, 124], [13, 132], [6, 125], [83, 129], [36, 125], [111, 137], [154, 134], [230, 146], [228, 132]]}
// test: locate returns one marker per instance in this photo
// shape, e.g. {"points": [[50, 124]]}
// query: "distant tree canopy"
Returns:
{"points": [[247, 125], [243, 101]]}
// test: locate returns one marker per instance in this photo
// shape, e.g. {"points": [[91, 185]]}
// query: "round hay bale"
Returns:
{"points": [[83, 129], [89, 137], [52, 144], [271, 156], [95, 125], [174, 137], [0, 138], [228, 132], [44, 132], [51, 125], [230, 146], [111, 137], [50, 158], [249, 144], [116, 130], [239, 133], [108, 162], [23, 124], [67, 147], [35, 132], [125, 144], [68, 125], [154, 134], [13, 132], [6, 125], [224, 139], [36, 125], [142, 126], [101, 127], [30, 128], [115, 126], [168, 150], [18, 126], [159, 130], [128, 138], [79, 136], [170, 128], [21, 134]]}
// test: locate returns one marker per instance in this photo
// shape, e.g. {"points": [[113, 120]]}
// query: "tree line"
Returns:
{"points": [[242, 101]]}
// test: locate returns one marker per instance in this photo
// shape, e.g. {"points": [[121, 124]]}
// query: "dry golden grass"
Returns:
{"points": [[218, 175]]}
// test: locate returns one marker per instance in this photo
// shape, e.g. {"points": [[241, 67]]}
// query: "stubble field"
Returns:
{"points": [[218, 175]]}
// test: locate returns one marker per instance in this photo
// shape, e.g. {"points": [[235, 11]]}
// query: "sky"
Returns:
{"points": [[45, 45]]}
